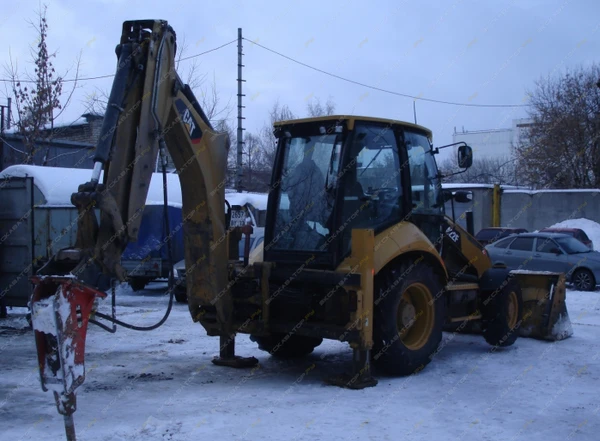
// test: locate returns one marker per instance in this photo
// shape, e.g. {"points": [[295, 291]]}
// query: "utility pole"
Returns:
{"points": [[240, 129], [3, 118], [415, 110]]}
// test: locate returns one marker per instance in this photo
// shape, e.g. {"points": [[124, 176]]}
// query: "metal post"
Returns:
{"points": [[240, 130], [9, 120], [415, 110]]}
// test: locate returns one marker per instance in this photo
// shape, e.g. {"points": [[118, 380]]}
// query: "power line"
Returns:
{"points": [[405, 95], [70, 80], [208, 51]]}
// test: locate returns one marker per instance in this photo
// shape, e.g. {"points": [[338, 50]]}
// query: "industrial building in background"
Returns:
{"points": [[494, 143]]}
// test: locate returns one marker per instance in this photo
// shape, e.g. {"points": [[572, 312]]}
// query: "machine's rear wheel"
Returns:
{"points": [[502, 314], [285, 345], [409, 316], [138, 283], [180, 294]]}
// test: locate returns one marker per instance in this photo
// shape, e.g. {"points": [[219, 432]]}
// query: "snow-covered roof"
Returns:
{"points": [[565, 190], [257, 200], [58, 183], [451, 186]]}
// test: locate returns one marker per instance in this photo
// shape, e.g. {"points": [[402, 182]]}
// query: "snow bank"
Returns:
{"points": [[591, 228]]}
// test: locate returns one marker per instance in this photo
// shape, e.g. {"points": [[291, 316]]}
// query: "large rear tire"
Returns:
{"points": [[409, 317], [502, 312], [285, 345], [180, 294], [138, 283]]}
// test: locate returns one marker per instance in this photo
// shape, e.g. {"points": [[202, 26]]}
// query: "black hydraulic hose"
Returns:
{"points": [[115, 101], [166, 214], [171, 278]]}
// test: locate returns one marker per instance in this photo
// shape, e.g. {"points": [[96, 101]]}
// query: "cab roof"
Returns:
{"points": [[351, 119]]}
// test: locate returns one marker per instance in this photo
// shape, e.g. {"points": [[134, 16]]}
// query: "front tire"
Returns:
{"points": [[409, 317], [502, 312]]}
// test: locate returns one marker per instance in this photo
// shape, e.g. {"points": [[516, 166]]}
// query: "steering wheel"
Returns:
{"points": [[386, 194]]}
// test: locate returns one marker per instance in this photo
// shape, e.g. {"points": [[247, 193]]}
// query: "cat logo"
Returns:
{"points": [[191, 125], [189, 122]]}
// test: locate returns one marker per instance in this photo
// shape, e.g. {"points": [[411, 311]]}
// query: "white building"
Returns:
{"points": [[493, 143]]}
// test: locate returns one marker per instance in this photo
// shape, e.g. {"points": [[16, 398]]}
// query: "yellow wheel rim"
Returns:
{"points": [[416, 316], [513, 309]]}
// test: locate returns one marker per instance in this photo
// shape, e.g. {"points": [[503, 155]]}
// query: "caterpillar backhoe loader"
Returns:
{"points": [[357, 247]]}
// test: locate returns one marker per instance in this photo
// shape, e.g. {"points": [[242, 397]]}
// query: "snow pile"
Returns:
{"points": [[591, 228], [563, 327]]}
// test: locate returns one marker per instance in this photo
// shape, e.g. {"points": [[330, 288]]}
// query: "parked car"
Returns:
{"points": [[577, 233], [553, 252], [486, 236], [179, 273]]}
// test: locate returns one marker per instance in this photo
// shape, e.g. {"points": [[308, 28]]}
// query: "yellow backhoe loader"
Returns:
{"points": [[357, 247]]}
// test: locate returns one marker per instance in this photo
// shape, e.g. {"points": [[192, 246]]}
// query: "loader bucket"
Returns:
{"points": [[545, 315]]}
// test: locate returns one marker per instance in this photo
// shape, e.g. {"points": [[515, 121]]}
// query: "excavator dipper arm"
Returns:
{"points": [[149, 109]]}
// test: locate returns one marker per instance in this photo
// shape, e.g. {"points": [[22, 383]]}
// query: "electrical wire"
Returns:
{"points": [[99, 77], [208, 51], [368, 86], [12, 146]]}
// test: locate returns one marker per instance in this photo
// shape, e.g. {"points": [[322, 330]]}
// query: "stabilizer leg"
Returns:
{"points": [[361, 372], [227, 355]]}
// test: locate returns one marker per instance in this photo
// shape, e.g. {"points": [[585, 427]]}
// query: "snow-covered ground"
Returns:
{"points": [[161, 385]]}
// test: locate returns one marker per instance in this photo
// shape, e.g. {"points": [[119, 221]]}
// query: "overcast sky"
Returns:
{"points": [[479, 52]]}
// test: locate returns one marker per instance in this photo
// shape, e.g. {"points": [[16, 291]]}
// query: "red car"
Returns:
{"points": [[575, 232]]}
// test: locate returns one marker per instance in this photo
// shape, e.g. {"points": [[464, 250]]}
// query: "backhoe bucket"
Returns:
{"points": [[545, 315]]}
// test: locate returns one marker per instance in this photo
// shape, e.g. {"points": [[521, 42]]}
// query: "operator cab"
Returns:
{"points": [[334, 174]]}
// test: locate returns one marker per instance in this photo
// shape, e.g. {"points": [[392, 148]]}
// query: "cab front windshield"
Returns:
{"points": [[304, 208]]}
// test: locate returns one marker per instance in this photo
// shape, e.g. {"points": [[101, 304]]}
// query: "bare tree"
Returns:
{"points": [[498, 170], [189, 70], [561, 148], [38, 96], [315, 108]]}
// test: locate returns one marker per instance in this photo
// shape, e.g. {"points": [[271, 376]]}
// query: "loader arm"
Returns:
{"points": [[150, 109]]}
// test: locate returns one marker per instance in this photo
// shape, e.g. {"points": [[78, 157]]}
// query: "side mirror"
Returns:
{"points": [[556, 251], [465, 156], [447, 195], [462, 197]]}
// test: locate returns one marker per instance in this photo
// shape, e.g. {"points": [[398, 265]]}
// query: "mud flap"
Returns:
{"points": [[545, 315], [60, 310]]}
